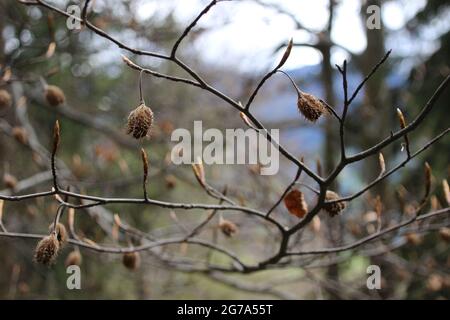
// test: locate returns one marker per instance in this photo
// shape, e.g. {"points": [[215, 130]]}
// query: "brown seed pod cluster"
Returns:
{"points": [[5, 99], [20, 134], [73, 258], [47, 250], [310, 107], [9, 181], [140, 121], [131, 260], [227, 227], [335, 208], [54, 95], [295, 203]]}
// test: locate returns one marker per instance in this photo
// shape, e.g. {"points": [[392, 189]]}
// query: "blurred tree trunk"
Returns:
{"points": [[376, 110], [2, 64], [331, 145]]}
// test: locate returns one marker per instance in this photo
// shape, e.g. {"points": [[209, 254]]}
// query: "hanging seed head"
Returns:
{"points": [[131, 260], [295, 203], [227, 227], [47, 250], [5, 99], [333, 208], [54, 95], [73, 258], [311, 107], [20, 134], [9, 181], [140, 121], [61, 233]]}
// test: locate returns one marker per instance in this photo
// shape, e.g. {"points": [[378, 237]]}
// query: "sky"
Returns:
{"points": [[247, 33]]}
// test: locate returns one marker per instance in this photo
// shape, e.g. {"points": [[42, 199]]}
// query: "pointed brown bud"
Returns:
{"points": [[9, 181], [199, 171], [5, 99], [445, 234], [56, 137], [286, 54], [401, 118], [413, 238], [446, 189], [1, 209], [74, 258], [54, 95], [20, 134], [382, 163], [246, 119], [144, 164], [427, 179]]}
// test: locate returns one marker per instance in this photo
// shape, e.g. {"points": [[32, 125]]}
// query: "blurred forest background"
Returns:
{"points": [[100, 159]]}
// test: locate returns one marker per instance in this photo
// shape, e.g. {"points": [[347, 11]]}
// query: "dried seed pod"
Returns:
{"points": [[20, 134], [311, 107], [54, 95], [9, 181], [47, 250], [227, 227], [295, 203], [333, 208], [131, 260], [140, 121], [61, 233], [73, 258], [5, 99]]}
